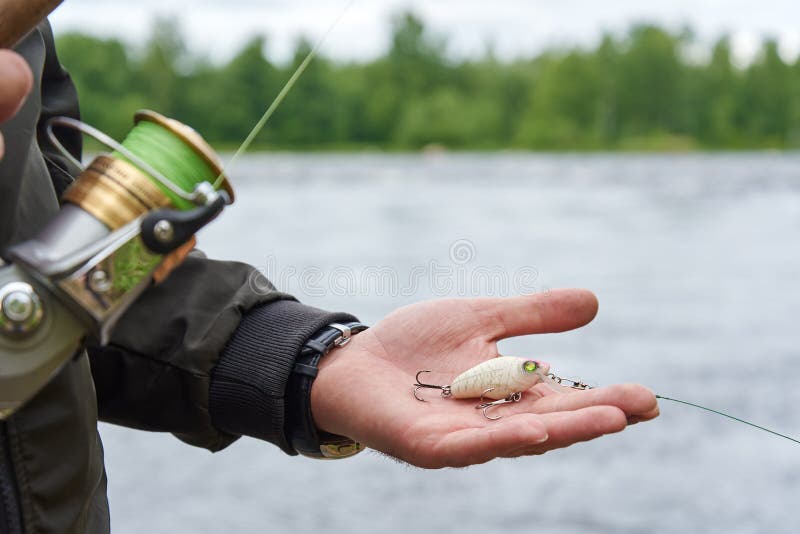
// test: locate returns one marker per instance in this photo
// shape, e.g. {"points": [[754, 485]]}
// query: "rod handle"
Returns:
{"points": [[19, 17]]}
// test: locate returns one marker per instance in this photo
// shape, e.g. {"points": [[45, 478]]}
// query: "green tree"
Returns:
{"points": [[767, 97], [650, 78], [414, 66], [311, 114], [105, 77], [441, 119], [640, 90], [157, 71], [722, 85], [500, 92], [226, 102], [607, 58], [566, 104], [793, 135]]}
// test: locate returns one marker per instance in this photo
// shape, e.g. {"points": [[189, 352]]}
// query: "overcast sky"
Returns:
{"points": [[516, 27]]}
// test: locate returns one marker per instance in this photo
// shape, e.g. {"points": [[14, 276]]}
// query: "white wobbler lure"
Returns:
{"points": [[502, 379]]}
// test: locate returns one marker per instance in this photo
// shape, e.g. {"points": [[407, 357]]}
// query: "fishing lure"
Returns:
{"points": [[502, 379]]}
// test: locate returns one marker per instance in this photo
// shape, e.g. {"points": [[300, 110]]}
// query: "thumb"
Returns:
{"points": [[16, 81], [555, 311]]}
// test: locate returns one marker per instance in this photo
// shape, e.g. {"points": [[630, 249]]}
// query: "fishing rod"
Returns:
{"points": [[126, 222], [19, 17]]}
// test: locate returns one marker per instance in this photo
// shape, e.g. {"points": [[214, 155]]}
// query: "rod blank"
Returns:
{"points": [[19, 17]]}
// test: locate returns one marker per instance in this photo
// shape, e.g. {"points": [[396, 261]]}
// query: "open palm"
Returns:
{"points": [[364, 390]]}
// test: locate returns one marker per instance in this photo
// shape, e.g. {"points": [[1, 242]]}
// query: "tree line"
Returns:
{"points": [[643, 90]]}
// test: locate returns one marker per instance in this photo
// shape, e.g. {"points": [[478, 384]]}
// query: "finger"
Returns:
{"points": [[567, 428], [555, 311], [471, 446], [633, 399], [16, 82]]}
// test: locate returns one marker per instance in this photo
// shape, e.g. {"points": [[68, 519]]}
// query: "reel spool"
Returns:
{"points": [[160, 164]]}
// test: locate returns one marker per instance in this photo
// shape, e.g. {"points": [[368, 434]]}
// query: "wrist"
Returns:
{"points": [[249, 394], [327, 390], [307, 429]]}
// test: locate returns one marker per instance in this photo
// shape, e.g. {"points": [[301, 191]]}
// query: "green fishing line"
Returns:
{"points": [[729, 417], [170, 156]]}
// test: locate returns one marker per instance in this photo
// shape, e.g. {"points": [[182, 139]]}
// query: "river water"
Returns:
{"points": [[695, 260]]}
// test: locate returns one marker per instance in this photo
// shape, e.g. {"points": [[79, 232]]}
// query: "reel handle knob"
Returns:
{"points": [[165, 230]]}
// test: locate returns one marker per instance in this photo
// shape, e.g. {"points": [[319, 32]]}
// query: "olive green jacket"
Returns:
{"points": [[203, 355]]}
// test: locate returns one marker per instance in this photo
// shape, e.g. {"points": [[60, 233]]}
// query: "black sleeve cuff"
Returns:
{"points": [[248, 385]]}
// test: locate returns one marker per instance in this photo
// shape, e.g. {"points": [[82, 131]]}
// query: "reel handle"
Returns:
{"points": [[19, 17]]}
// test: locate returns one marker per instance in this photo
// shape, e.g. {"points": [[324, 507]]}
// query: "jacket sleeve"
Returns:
{"points": [[206, 355]]}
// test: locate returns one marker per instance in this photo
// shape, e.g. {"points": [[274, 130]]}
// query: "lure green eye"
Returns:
{"points": [[530, 366]]}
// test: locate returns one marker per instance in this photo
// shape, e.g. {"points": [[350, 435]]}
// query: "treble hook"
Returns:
{"points": [[421, 385], [486, 406]]}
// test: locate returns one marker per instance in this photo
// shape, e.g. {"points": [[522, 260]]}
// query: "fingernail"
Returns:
{"points": [[541, 432]]}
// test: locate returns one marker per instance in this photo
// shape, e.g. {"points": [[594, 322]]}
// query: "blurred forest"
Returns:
{"points": [[641, 91]]}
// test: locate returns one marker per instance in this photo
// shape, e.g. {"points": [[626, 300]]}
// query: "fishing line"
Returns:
{"points": [[730, 417], [282, 95]]}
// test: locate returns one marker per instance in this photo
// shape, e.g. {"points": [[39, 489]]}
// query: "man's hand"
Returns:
{"points": [[364, 390], [16, 82]]}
